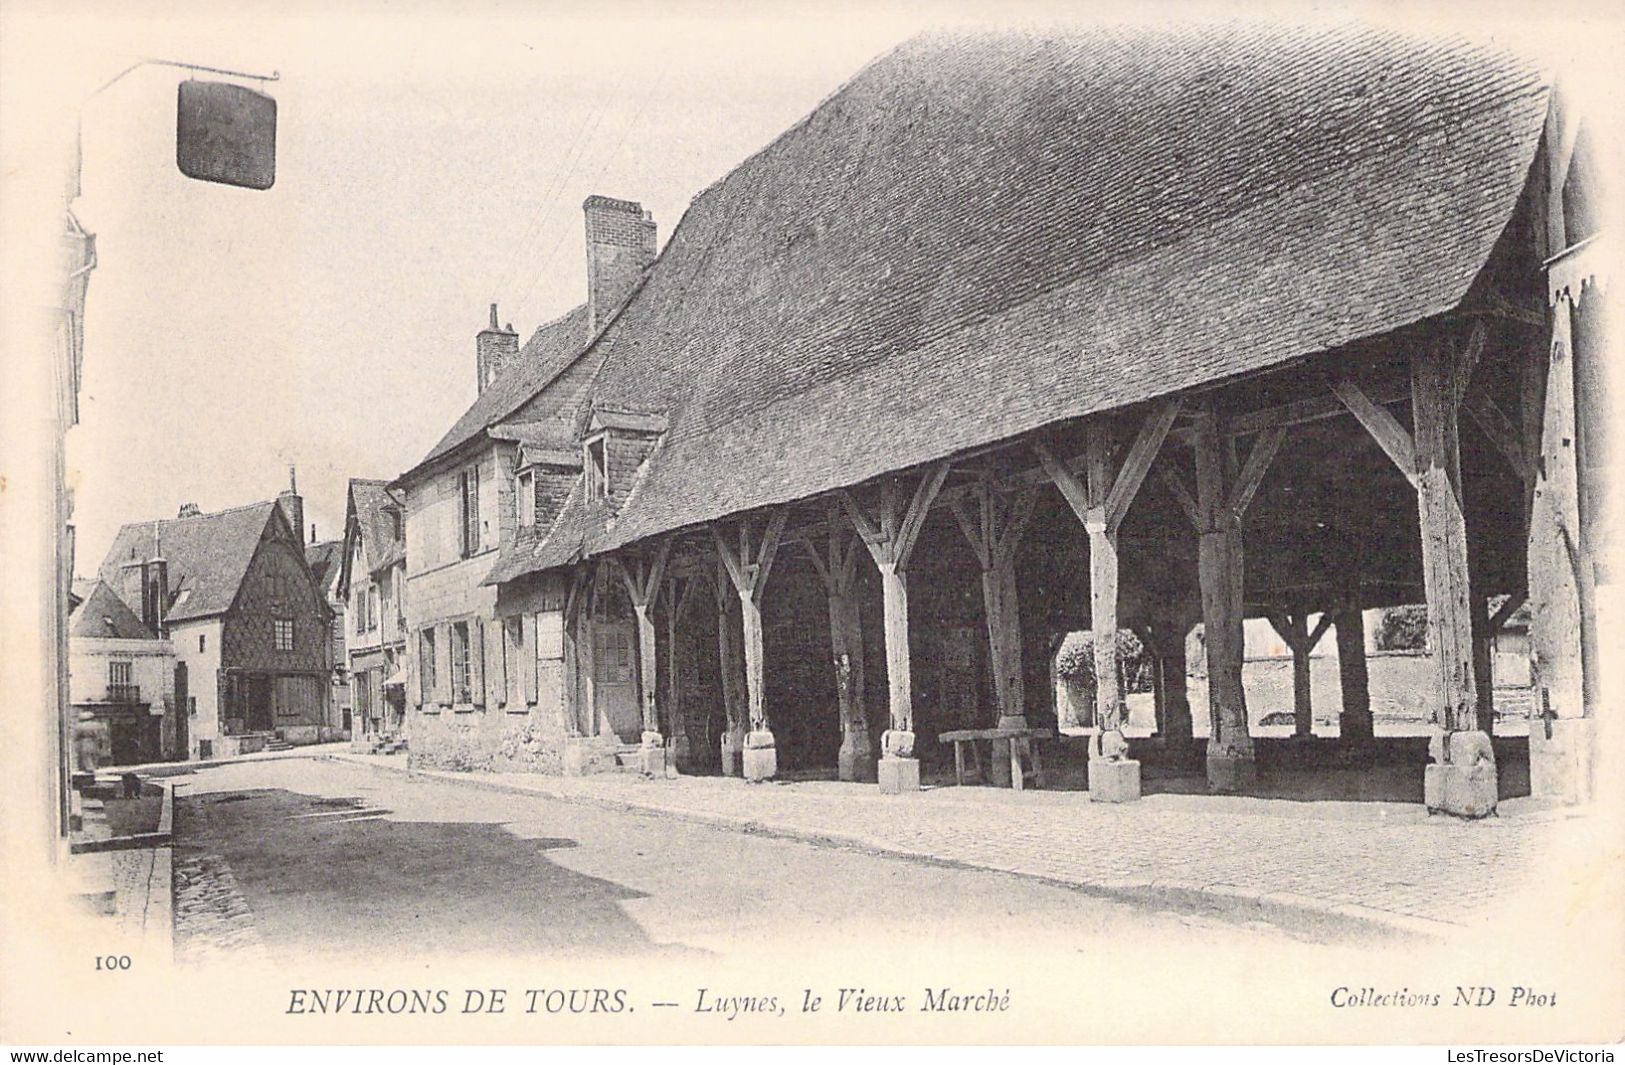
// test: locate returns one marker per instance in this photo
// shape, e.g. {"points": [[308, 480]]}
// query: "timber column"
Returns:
{"points": [[1101, 501], [890, 538], [838, 568], [748, 567], [733, 674], [1223, 493], [1354, 725], [1164, 636], [994, 525], [1563, 520], [1462, 778], [642, 577]]}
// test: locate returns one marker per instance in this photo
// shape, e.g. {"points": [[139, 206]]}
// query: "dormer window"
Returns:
{"points": [[597, 468], [525, 495]]}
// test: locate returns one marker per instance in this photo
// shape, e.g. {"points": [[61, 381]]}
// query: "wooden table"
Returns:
{"points": [[961, 738]]}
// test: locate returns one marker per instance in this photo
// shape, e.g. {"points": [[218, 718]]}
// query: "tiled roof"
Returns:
{"points": [[322, 559], [369, 503], [207, 555], [549, 350], [104, 615], [983, 234]]}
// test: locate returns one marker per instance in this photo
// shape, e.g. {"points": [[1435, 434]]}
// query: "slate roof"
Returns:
{"points": [[103, 615], [368, 505], [550, 349], [981, 234], [208, 555], [323, 559]]}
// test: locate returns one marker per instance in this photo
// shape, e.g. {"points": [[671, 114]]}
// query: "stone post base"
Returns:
{"points": [[733, 746], [898, 775], [1114, 781], [1462, 790], [1560, 765], [574, 758], [1231, 771], [1461, 780], [760, 760], [652, 757], [856, 760]]}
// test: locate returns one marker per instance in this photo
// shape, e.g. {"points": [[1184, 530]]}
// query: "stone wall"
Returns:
{"points": [[500, 741]]}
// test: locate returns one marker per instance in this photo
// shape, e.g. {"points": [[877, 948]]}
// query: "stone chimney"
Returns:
{"points": [[496, 348], [292, 504], [620, 246]]}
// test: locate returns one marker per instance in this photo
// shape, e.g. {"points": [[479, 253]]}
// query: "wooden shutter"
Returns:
{"points": [[527, 657], [476, 661], [496, 686], [442, 664]]}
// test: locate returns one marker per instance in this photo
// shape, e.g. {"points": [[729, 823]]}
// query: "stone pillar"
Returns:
{"points": [[1354, 722], [1230, 760]]}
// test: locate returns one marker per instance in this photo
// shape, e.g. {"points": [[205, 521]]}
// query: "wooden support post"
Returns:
{"points": [[1562, 618], [890, 537], [1293, 628], [1164, 636], [1223, 492], [679, 591], [1462, 778], [748, 567], [1354, 724], [732, 667], [1101, 501], [856, 760], [642, 577], [994, 525]]}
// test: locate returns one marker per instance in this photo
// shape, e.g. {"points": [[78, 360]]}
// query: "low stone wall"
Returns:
{"points": [[500, 742]]}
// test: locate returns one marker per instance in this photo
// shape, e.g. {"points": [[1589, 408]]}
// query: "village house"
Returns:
{"points": [[1016, 335], [250, 626], [489, 671], [325, 559], [121, 685], [372, 584]]}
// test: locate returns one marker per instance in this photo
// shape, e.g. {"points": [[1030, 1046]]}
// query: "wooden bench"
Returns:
{"points": [[961, 738]]}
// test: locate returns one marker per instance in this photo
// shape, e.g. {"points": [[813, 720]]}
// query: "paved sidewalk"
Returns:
{"points": [[1385, 865]]}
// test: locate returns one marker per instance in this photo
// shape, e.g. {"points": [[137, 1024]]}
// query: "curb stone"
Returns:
{"points": [[1227, 896]]}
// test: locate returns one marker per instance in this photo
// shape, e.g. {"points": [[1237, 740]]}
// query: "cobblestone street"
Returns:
{"points": [[1388, 864]]}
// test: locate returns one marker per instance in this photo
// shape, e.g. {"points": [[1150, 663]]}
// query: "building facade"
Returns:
{"points": [[372, 585], [121, 685], [250, 625], [932, 379]]}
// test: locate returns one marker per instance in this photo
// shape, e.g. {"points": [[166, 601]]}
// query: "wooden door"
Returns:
{"points": [[615, 679]]}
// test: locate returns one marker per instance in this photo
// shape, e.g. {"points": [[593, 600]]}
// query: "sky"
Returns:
{"points": [[427, 166], [432, 159]]}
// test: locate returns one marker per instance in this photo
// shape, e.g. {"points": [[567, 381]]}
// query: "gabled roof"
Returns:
{"points": [[550, 349], [103, 615], [323, 560], [982, 234], [367, 510], [207, 555]]}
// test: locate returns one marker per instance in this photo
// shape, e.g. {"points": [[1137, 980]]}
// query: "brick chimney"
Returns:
{"points": [[496, 348], [620, 246], [292, 504]]}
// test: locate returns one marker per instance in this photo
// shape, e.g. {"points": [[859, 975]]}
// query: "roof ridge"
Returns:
{"points": [[195, 517]]}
